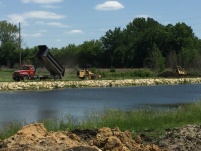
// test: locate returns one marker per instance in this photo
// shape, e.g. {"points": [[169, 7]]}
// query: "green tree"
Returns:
{"points": [[142, 33], [172, 59], [189, 58], [183, 37], [29, 55], [89, 53], [155, 59], [9, 43], [113, 42], [68, 56]]}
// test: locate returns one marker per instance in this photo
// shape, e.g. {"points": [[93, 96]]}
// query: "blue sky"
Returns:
{"points": [[57, 23]]}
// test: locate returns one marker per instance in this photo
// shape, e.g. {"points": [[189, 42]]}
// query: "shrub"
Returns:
{"points": [[112, 69]]}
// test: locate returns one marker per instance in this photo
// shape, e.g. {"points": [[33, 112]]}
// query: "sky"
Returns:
{"points": [[58, 23]]}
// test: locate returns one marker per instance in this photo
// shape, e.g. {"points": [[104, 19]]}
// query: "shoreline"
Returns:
{"points": [[51, 85]]}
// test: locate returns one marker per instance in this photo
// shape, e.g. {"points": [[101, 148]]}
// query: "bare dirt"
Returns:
{"points": [[35, 137]]}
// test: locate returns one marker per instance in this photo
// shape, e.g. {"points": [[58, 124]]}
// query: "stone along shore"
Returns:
{"points": [[48, 85]]}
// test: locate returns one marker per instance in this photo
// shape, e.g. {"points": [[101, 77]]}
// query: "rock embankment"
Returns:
{"points": [[37, 85]]}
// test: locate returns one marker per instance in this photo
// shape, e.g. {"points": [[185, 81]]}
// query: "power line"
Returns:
{"points": [[20, 43]]}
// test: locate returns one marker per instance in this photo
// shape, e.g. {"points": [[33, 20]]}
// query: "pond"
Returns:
{"points": [[31, 106]]}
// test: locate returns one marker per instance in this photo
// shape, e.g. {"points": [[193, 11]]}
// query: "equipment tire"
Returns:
{"points": [[57, 77], [86, 77], [25, 78]]}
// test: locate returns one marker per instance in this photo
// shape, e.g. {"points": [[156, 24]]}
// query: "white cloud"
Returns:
{"points": [[40, 22], [41, 1], [57, 24], [32, 35], [109, 5], [42, 15], [16, 18], [76, 31], [58, 40], [143, 16], [50, 6], [43, 31]]}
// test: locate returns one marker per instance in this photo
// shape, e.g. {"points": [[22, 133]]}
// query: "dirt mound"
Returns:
{"points": [[183, 139], [36, 137], [166, 74]]}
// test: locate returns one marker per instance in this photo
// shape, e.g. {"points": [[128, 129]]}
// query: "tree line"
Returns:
{"points": [[143, 43]]}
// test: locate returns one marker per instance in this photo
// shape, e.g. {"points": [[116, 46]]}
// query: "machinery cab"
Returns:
{"points": [[29, 69], [87, 74], [180, 71]]}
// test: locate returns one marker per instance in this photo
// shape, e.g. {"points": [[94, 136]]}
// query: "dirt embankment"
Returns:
{"points": [[35, 137]]}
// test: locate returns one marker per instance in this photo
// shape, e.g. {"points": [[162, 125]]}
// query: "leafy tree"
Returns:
{"points": [[155, 59], [69, 55], [183, 37], [143, 43], [172, 59], [189, 58], [119, 57], [89, 53], [112, 41], [141, 34], [9, 42]]}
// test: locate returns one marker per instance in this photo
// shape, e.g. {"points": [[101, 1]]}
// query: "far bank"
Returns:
{"points": [[49, 85]]}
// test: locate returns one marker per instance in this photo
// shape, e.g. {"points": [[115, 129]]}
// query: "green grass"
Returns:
{"points": [[10, 129], [71, 74], [137, 121], [6, 75], [132, 73]]}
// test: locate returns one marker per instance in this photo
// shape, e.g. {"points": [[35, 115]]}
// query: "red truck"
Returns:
{"points": [[28, 72]]}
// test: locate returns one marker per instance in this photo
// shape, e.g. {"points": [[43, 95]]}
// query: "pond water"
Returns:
{"points": [[31, 106]]}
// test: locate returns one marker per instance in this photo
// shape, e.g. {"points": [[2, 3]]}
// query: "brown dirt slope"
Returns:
{"points": [[35, 137], [187, 138]]}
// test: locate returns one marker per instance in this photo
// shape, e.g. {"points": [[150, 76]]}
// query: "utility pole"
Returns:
{"points": [[20, 43]]}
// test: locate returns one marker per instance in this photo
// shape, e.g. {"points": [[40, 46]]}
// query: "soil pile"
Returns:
{"points": [[187, 138], [35, 137]]}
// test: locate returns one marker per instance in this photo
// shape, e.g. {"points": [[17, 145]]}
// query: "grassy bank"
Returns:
{"points": [[71, 74], [6, 74], [137, 121]]}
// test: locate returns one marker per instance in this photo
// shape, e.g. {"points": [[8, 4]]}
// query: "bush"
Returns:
{"points": [[112, 69], [140, 73]]}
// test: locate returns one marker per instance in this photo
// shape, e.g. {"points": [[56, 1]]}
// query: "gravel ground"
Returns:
{"points": [[37, 85]]}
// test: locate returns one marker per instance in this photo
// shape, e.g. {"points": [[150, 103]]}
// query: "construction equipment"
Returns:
{"points": [[180, 71], [24, 73], [28, 72], [55, 69], [176, 72], [86, 74]]}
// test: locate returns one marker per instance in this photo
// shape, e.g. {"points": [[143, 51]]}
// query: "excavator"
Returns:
{"points": [[177, 72], [180, 71]]}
